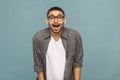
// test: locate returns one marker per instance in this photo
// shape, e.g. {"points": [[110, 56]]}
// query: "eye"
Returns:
{"points": [[60, 17], [51, 17]]}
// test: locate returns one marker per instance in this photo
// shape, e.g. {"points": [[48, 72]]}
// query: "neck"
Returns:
{"points": [[56, 36]]}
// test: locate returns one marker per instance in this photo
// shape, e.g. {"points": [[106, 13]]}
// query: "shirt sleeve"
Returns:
{"points": [[38, 62], [78, 58]]}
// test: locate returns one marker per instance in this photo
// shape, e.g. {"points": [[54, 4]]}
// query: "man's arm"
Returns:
{"points": [[40, 75], [78, 58], [77, 73], [38, 62]]}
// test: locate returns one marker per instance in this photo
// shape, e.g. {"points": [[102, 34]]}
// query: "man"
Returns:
{"points": [[58, 51]]}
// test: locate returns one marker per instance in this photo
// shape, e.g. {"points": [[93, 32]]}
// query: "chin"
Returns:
{"points": [[56, 32]]}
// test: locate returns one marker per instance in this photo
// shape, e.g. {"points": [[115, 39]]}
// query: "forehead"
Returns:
{"points": [[55, 13]]}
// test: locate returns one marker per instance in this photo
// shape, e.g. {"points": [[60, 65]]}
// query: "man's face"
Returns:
{"points": [[55, 21]]}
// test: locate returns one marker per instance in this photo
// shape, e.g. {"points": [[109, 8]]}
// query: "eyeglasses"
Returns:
{"points": [[52, 18]]}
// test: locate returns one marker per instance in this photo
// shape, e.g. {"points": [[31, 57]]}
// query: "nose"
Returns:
{"points": [[55, 19]]}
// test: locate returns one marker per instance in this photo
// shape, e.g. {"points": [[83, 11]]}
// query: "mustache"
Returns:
{"points": [[55, 24]]}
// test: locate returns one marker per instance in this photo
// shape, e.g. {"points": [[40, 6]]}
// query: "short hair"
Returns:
{"points": [[57, 9]]}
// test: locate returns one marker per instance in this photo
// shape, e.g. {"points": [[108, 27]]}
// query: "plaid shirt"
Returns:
{"points": [[73, 46]]}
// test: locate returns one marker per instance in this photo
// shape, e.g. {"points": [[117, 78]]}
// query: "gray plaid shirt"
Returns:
{"points": [[72, 43]]}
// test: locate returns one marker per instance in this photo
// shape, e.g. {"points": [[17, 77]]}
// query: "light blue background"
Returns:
{"points": [[98, 21]]}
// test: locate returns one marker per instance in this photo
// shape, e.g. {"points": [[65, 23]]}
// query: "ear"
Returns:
{"points": [[46, 21], [65, 21]]}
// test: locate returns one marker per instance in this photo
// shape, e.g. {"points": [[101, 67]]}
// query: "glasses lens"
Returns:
{"points": [[51, 18], [59, 18]]}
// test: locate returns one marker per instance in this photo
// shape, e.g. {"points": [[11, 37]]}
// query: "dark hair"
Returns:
{"points": [[55, 8]]}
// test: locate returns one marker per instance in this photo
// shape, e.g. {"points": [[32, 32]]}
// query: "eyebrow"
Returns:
{"points": [[57, 15]]}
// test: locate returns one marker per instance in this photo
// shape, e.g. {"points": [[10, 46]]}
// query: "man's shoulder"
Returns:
{"points": [[71, 31], [41, 33]]}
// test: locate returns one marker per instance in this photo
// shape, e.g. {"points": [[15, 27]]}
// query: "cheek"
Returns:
{"points": [[62, 22], [49, 23]]}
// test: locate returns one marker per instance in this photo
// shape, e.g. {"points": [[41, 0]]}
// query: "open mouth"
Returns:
{"points": [[56, 25]]}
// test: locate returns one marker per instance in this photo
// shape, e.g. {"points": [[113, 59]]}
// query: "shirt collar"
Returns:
{"points": [[64, 33]]}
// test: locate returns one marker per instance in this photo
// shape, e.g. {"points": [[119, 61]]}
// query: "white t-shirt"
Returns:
{"points": [[55, 60]]}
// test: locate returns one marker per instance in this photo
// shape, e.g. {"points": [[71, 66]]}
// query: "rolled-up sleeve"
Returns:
{"points": [[38, 62], [78, 58]]}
